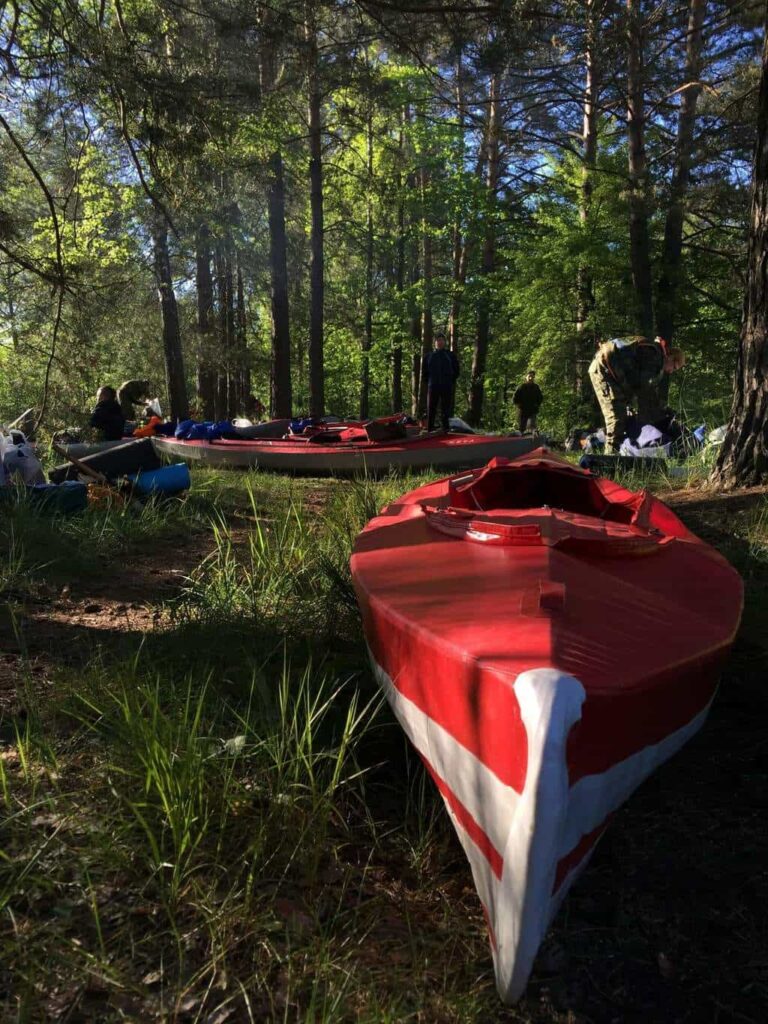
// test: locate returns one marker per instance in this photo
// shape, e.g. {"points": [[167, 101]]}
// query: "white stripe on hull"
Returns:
{"points": [[533, 830]]}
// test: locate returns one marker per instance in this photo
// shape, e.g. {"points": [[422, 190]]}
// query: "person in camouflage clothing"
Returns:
{"points": [[627, 372]]}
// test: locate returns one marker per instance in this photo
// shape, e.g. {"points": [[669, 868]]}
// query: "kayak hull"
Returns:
{"points": [[449, 451], [536, 716]]}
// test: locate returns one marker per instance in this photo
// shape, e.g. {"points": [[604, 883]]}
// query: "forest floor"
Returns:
{"points": [[209, 815]]}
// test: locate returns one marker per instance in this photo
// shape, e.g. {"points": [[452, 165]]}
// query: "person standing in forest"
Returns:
{"points": [[528, 399], [627, 372], [441, 371]]}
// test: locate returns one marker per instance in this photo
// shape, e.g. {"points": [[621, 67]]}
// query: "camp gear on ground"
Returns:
{"points": [[166, 480], [20, 460], [189, 430], [513, 618], [53, 499], [347, 456]]}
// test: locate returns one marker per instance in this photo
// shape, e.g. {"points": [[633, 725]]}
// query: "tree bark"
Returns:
{"points": [[639, 240], [278, 260], [743, 458], [427, 325], [175, 379], [317, 258], [206, 374], [482, 335], [459, 261], [365, 368], [415, 329], [397, 350], [585, 284], [243, 381], [281, 399], [669, 278]]}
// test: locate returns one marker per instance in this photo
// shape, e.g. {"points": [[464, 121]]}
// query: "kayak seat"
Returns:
{"points": [[531, 486]]}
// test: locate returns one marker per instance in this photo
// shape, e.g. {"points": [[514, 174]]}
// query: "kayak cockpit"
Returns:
{"points": [[548, 502]]}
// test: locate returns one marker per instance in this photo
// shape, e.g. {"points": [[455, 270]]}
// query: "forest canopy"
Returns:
{"points": [[289, 199]]}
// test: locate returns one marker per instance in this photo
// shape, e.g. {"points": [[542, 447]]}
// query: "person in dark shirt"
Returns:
{"points": [[108, 417], [441, 370], [627, 372], [528, 399]]}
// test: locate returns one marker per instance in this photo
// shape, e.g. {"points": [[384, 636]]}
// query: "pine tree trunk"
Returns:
{"points": [[415, 329], [317, 265], [397, 350], [459, 261], [175, 379], [206, 374], [243, 367], [365, 368], [639, 240], [222, 320], [427, 325], [278, 259], [669, 278], [482, 335], [743, 458], [585, 284]]}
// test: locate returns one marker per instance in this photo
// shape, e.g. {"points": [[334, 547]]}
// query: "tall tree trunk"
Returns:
{"points": [[278, 260], [459, 262], [280, 373], [175, 379], [397, 350], [223, 347], [415, 328], [365, 367], [317, 265], [743, 458], [427, 325], [639, 240], [243, 383], [482, 335], [585, 284], [206, 374], [669, 278]]}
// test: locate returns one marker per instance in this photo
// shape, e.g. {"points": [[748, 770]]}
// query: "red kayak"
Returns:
{"points": [[347, 450], [546, 639]]}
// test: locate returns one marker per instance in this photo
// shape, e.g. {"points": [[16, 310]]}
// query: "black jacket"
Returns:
{"points": [[108, 418], [440, 368], [528, 397]]}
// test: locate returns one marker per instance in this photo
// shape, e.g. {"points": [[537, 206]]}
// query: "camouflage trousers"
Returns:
{"points": [[613, 405]]}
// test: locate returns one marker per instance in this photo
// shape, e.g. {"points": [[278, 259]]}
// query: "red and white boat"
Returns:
{"points": [[351, 452], [546, 639]]}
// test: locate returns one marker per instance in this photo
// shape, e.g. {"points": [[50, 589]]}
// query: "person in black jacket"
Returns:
{"points": [[528, 399], [108, 417], [441, 370]]}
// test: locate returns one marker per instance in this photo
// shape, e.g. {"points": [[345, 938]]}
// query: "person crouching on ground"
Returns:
{"points": [[107, 418], [441, 369], [627, 372], [130, 394], [528, 399]]}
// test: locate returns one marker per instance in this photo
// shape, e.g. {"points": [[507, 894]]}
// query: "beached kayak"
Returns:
{"points": [[546, 639], [306, 455]]}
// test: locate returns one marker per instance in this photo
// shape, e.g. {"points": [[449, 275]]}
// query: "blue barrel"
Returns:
{"points": [[166, 480]]}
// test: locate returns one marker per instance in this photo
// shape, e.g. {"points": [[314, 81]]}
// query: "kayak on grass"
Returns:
{"points": [[546, 639], [345, 454]]}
